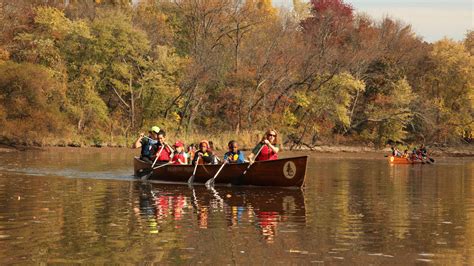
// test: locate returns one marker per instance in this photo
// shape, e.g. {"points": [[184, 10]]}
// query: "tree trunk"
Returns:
{"points": [[132, 106]]}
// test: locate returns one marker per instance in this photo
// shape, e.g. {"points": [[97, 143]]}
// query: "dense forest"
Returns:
{"points": [[98, 72]]}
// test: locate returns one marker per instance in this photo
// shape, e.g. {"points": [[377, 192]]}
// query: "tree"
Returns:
{"points": [[448, 108], [327, 110], [383, 112], [30, 102], [469, 42]]}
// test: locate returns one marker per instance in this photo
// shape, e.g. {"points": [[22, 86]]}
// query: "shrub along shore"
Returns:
{"points": [[220, 145]]}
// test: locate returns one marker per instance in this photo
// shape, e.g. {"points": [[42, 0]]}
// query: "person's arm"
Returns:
{"points": [[255, 151], [172, 155], [274, 148], [138, 142], [169, 147], [215, 159], [185, 160], [226, 156], [196, 157]]}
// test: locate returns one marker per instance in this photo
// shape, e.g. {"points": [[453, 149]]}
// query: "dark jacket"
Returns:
{"points": [[208, 157]]}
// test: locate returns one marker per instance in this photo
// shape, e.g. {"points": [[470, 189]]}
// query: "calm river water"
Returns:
{"points": [[83, 206]]}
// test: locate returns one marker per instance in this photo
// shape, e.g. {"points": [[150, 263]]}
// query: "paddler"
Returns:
{"points": [[148, 144], [179, 156], [267, 148], [234, 155], [163, 150], [204, 153]]}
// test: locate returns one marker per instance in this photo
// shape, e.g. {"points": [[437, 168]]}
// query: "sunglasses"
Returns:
{"points": [[271, 135]]}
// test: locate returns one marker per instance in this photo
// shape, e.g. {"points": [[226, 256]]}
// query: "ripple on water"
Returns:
{"points": [[351, 211]]}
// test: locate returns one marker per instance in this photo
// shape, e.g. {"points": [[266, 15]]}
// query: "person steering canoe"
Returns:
{"points": [[148, 144], [267, 148]]}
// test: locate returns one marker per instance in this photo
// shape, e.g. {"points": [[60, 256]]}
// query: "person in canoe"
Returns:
{"points": [[179, 154], [190, 153], [423, 151], [148, 144], [405, 154], [204, 154], [164, 151], [396, 152], [267, 148], [234, 155]]}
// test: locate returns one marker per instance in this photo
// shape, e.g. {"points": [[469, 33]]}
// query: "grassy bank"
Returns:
{"points": [[246, 140]]}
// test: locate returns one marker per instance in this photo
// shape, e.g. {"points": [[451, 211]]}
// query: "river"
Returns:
{"points": [[83, 206]]}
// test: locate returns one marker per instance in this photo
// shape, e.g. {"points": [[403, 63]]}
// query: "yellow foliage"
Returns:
{"points": [[263, 7]]}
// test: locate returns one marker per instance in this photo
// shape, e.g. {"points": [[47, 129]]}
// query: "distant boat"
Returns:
{"points": [[402, 160], [288, 172]]}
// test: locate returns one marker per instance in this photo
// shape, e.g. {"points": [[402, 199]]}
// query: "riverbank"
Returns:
{"points": [[454, 151]]}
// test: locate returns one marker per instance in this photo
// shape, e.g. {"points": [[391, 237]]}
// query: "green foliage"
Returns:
{"points": [[330, 104], [389, 113]]}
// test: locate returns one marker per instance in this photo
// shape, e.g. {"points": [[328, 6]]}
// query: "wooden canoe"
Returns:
{"points": [[288, 172], [401, 160]]}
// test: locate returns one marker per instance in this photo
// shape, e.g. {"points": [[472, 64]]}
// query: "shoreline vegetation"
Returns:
{"points": [[96, 73], [445, 151]]}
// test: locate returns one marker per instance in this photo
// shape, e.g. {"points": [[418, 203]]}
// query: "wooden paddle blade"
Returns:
{"points": [[209, 182], [145, 177], [143, 173], [191, 179]]}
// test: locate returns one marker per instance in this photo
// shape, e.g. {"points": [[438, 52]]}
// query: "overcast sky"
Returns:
{"points": [[431, 19]]}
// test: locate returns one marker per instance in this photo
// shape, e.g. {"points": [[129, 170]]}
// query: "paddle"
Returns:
{"points": [[158, 155], [191, 179], [145, 177], [210, 182], [159, 166], [251, 162], [429, 158]]}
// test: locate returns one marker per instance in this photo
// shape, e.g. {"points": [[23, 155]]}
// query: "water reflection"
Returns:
{"points": [[265, 208], [352, 211]]}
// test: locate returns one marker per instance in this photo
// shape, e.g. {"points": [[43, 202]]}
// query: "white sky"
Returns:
{"points": [[431, 19]]}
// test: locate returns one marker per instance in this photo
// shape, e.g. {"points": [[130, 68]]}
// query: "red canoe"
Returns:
{"points": [[401, 160], [288, 172]]}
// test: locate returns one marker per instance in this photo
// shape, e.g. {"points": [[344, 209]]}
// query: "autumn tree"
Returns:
{"points": [[448, 89], [30, 103]]}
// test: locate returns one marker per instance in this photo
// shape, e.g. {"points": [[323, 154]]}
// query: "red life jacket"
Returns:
{"points": [[165, 155], [266, 154], [178, 157]]}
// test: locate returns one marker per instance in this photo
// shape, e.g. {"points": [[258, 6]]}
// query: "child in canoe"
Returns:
{"points": [[204, 154], [179, 156], [164, 151], [234, 155]]}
